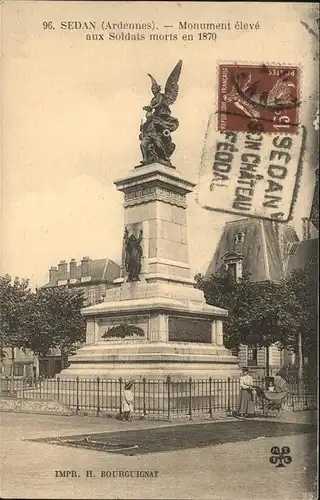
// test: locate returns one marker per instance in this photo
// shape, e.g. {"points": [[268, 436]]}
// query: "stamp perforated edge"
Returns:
{"points": [[259, 64]]}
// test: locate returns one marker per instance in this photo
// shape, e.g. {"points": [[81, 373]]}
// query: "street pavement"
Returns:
{"points": [[237, 470]]}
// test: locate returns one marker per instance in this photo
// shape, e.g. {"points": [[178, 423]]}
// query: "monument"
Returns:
{"points": [[154, 322]]}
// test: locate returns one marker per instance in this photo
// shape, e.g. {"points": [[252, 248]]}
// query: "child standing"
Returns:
{"points": [[271, 387], [127, 400]]}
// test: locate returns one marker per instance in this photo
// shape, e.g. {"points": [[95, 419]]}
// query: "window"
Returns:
{"points": [[233, 263], [252, 356], [18, 370], [57, 365], [92, 297], [232, 269], [239, 238]]}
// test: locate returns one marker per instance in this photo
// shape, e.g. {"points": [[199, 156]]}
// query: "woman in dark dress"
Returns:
{"points": [[246, 396]]}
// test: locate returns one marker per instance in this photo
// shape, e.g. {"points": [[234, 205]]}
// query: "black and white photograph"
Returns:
{"points": [[159, 250]]}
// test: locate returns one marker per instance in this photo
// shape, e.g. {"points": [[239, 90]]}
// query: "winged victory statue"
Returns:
{"points": [[155, 133]]}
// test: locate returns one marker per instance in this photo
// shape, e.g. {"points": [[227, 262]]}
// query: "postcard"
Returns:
{"points": [[159, 250]]}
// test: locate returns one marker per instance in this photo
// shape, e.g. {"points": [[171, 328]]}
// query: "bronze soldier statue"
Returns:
{"points": [[133, 256]]}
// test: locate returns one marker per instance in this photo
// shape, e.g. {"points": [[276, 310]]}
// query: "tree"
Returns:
{"points": [[302, 284], [260, 313], [13, 297], [55, 321], [224, 291], [270, 319]]}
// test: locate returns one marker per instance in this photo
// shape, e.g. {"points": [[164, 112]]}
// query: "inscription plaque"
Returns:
{"points": [[189, 330]]}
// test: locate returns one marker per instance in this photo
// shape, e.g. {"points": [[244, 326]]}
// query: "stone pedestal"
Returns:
{"points": [[183, 335]]}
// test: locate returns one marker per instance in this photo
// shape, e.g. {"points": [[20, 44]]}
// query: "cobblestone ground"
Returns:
{"points": [[239, 470]]}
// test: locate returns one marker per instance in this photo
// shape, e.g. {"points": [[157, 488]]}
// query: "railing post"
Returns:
{"points": [[144, 396], [98, 396], [168, 381], [292, 398], [306, 394], [77, 388], [190, 398], [210, 397], [58, 387], [228, 388], [120, 402]]}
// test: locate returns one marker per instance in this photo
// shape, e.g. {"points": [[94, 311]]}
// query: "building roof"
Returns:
{"points": [[263, 246], [101, 270], [303, 254]]}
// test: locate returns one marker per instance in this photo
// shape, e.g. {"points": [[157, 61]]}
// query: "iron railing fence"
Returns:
{"points": [[164, 398]]}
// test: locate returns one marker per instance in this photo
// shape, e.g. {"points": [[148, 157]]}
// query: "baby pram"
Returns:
{"points": [[269, 403]]}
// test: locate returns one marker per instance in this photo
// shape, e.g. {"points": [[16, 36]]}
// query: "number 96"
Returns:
{"points": [[47, 25]]}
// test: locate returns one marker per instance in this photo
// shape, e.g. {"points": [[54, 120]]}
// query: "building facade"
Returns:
{"points": [[23, 363], [94, 277], [268, 251]]}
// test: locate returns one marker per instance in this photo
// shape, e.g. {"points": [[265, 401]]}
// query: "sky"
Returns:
{"points": [[71, 111]]}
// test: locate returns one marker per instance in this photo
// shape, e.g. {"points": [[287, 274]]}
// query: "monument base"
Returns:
{"points": [[154, 361], [181, 338], [176, 332]]}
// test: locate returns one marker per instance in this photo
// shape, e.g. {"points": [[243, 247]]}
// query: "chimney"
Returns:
{"points": [[62, 270], [305, 228], [86, 267], [53, 275], [73, 269]]}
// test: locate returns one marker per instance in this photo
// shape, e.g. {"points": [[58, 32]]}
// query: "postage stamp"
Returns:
{"points": [[262, 98]]}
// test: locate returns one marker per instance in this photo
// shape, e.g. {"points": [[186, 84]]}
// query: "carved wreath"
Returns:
{"points": [[123, 330]]}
